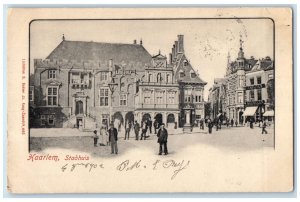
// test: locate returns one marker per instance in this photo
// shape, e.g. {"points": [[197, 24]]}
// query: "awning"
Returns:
{"points": [[250, 111], [269, 113]]}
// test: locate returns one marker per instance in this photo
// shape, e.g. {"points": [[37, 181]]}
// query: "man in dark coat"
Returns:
{"points": [[113, 138], [127, 130], [162, 135], [136, 130], [156, 126], [264, 125], [150, 125]]}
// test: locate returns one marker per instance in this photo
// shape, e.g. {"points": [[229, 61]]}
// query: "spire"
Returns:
{"points": [[241, 52], [228, 69], [63, 37]]}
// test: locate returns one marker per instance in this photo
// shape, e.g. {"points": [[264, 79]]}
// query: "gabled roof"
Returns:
{"points": [[96, 51], [179, 67]]}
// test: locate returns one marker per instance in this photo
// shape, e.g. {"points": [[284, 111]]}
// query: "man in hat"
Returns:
{"points": [[162, 135], [113, 138], [136, 129]]}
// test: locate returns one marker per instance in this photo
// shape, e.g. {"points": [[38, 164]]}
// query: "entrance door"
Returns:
{"points": [[79, 107], [78, 122]]}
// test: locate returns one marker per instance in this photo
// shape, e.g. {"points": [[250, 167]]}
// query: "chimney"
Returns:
{"points": [[170, 58], [141, 42], [173, 52], [110, 64], [180, 44], [134, 41], [176, 48]]}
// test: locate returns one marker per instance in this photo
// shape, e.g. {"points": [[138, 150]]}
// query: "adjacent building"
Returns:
{"points": [[87, 84], [247, 90]]}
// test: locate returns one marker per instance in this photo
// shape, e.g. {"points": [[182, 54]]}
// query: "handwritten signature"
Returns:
{"points": [[128, 166]]}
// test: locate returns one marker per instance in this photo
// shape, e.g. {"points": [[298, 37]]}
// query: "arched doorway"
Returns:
{"points": [[171, 118], [118, 120], [146, 116], [241, 117], [79, 107], [129, 118], [159, 118]]}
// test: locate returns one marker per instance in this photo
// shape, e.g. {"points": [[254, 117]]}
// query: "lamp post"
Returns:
{"points": [[112, 87], [187, 111]]}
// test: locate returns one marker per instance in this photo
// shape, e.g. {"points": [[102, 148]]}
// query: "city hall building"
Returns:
{"points": [[88, 84]]}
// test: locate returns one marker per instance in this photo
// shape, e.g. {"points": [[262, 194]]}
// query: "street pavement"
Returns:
{"points": [[235, 139]]}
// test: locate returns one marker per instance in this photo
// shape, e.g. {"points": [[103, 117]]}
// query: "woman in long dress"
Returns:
{"points": [[104, 136]]}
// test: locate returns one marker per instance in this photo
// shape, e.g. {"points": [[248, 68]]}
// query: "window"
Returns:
{"points": [[185, 63], [150, 78], [147, 100], [258, 94], [51, 74], [198, 98], [123, 99], [168, 78], [171, 97], [252, 81], [158, 78], [103, 96], [187, 99], [240, 98], [51, 119], [193, 75], [241, 81], [258, 80], [104, 76], [159, 100], [52, 96], [252, 95], [181, 74], [43, 120], [31, 93]]}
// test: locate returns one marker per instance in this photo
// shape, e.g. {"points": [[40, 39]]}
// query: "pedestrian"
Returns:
{"points": [[156, 126], [95, 136], [220, 124], [144, 130], [236, 123], [201, 124], [209, 125], [162, 135], [227, 123], [127, 130], [251, 123], [136, 130], [104, 136], [264, 125], [231, 122], [113, 139], [217, 124], [150, 125]]}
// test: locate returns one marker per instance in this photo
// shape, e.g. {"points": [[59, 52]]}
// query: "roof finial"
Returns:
{"points": [[241, 42], [63, 37], [159, 52], [141, 42]]}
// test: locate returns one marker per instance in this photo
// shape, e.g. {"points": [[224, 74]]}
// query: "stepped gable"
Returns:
{"points": [[132, 55]]}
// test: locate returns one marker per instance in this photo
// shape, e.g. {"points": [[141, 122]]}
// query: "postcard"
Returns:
{"points": [[149, 100]]}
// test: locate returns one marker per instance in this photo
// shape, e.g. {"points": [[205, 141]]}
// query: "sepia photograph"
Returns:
{"points": [[179, 100]]}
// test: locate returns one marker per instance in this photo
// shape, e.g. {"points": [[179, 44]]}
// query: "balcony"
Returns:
{"points": [[80, 83]]}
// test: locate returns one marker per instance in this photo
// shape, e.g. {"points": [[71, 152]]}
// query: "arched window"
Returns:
{"points": [[168, 78], [150, 79], [158, 78]]}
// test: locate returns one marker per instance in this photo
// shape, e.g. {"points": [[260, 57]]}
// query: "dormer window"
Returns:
{"points": [[51, 74], [193, 74], [185, 63], [181, 74]]}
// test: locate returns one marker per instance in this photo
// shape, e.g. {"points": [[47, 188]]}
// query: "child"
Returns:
{"points": [[95, 138]]}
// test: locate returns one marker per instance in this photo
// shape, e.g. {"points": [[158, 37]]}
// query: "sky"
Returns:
{"points": [[207, 42]]}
